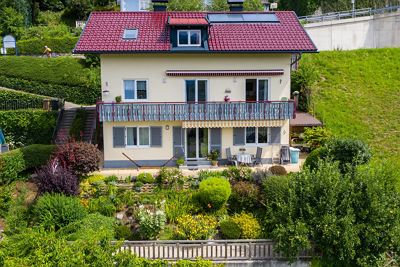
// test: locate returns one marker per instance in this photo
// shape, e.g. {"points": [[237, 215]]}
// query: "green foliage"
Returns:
{"points": [[253, 5], [213, 193], [48, 18], [180, 161], [245, 196], [341, 5], [16, 161], [18, 213], [238, 173], [178, 204], [151, 223], [145, 177], [302, 8], [78, 125], [302, 81], [213, 155], [198, 227], [35, 46], [92, 60], [316, 137], [229, 229], [185, 5], [78, 10], [26, 127], [9, 95], [278, 170], [56, 211], [102, 205], [61, 77], [53, 5], [219, 5], [123, 232], [170, 177], [249, 226], [204, 174], [315, 156], [11, 22], [6, 199]]}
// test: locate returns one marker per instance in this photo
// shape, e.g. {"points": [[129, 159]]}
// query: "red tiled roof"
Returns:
{"points": [[103, 33], [178, 21]]}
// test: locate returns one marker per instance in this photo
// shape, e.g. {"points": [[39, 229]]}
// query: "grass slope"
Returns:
{"points": [[358, 95]]}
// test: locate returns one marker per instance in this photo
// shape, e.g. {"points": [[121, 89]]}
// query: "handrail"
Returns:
{"points": [[21, 104], [59, 118]]}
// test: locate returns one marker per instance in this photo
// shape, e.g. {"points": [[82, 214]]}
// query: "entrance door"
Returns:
{"points": [[196, 143]]}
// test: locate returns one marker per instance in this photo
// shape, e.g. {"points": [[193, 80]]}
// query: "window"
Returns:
{"points": [[256, 135], [189, 38], [196, 90], [256, 90], [130, 34], [135, 90], [137, 136]]}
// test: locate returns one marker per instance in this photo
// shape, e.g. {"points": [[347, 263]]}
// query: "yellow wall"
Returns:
{"points": [[116, 68]]}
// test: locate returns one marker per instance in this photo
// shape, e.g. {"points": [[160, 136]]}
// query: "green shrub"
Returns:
{"points": [[213, 193], [11, 97], [170, 177], [123, 232], [16, 161], [276, 189], [78, 125], [204, 174], [6, 197], [245, 196], [151, 223], [198, 227], [102, 205], [316, 137], [238, 173], [229, 229], [26, 127], [35, 46], [249, 226], [56, 211], [178, 204], [145, 177], [278, 170], [260, 175], [314, 157]]}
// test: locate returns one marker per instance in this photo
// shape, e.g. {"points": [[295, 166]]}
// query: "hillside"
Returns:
{"points": [[357, 95]]}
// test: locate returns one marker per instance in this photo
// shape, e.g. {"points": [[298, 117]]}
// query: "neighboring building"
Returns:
{"points": [[142, 5], [192, 82]]}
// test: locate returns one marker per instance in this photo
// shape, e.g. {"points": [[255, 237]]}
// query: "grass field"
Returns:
{"points": [[358, 95]]}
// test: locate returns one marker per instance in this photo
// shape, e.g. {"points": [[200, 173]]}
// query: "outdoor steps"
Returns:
{"points": [[89, 132], [64, 126], [196, 165]]}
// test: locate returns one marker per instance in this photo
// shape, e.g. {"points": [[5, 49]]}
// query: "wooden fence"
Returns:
{"points": [[215, 250]]}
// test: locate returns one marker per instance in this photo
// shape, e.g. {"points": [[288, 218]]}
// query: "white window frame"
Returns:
{"points": [[256, 133], [135, 99], [189, 39], [138, 137], [257, 85]]}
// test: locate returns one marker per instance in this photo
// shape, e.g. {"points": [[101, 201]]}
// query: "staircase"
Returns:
{"points": [[196, 165], [65, 120], [89, 132]]}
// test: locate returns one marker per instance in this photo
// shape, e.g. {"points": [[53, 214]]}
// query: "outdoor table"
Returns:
{"points": [[244, 158]]}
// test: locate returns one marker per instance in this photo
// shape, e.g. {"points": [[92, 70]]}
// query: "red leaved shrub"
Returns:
{"points": [[78, 157]]}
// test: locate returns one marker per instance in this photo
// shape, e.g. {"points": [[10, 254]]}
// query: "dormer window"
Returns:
{"points": [[189, 37], [130, 34]]}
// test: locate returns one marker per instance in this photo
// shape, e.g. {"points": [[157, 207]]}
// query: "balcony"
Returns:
{"points": [[200, 111]]}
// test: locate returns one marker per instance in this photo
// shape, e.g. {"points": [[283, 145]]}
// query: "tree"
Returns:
{"points": [[219, 5], [78, 10], [253, 5], [52, 5], [11, 22], [302, 8], [186, 5]]}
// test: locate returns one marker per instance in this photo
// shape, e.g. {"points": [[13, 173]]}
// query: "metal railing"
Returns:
{"points": [[21, 104], [348, 14], [215, 250], [199, 111]]}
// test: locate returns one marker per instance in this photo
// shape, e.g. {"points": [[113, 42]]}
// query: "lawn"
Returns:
{"points": [[357, 95]]}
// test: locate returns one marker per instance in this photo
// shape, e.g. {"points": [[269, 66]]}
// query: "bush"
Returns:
{"points": [[27, 127], [145, 177], [123, 232], [151, 223], [230, 229], [178, 204], [169, 177], [245, 196], [56, 211], [238, 173], [35, 46], [278, 170], [204, 174], [316, 137], [260, 175], [78, 125], [198, 227], [6, 197], [16, 161], [314, 157], [53, 178], [102, 205], [213, 193], [79, 157], [249, 226], [34, 101]]}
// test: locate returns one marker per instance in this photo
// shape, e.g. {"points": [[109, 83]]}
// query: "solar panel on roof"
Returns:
{"points": [[242, 18]]}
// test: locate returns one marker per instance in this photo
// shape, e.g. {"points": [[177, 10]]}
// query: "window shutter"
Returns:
{"points": [[275, 135], [238, 136], [215, 139], [179, 150], [118, 137], [155, 136]]}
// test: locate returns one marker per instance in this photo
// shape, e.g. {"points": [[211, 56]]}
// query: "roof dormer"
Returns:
{"points": [[188, 34]]}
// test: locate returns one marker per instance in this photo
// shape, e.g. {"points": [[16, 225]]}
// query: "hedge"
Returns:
{"points": [[25, 127], [36, 46], [16, 161], [6, 95]]}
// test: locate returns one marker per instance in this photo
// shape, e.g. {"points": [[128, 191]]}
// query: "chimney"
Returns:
{"points": [[235, 5], [159, 5]]}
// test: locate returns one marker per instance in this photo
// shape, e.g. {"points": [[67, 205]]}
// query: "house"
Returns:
{"points": [[193, 82]]}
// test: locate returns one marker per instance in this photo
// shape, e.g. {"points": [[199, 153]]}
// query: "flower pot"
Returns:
{"points": [[214, 163]]}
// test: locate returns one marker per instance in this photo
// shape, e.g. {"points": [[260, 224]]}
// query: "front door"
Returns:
{"points": [[196, 143]]}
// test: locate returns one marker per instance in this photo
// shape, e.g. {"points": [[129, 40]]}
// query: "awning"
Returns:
{"points": [[225, 72], [232, 124]]}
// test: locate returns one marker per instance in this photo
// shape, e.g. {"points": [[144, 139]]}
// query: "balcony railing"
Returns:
{"points": [[200, 111]]}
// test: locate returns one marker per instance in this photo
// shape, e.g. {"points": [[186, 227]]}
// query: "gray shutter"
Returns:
{"points": [[178, 142], [275, 135], [118, 136], [156, 136], [215, 139], [238, 136]]}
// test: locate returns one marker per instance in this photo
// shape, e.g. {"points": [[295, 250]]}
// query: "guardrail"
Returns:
{"points": [[21, 104], [215, 250], [199, 111], [348, 14]]}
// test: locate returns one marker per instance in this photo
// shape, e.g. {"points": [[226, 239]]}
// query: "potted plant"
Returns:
{"points": [[118, 99], [213, 156], [180, 161]]}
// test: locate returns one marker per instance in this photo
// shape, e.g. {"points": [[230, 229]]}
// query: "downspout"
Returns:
{"points": [[297, 59]]}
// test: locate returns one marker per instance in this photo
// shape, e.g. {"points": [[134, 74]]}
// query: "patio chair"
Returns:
{"points": [[230, 158], [285, 155], [257, 160]]}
